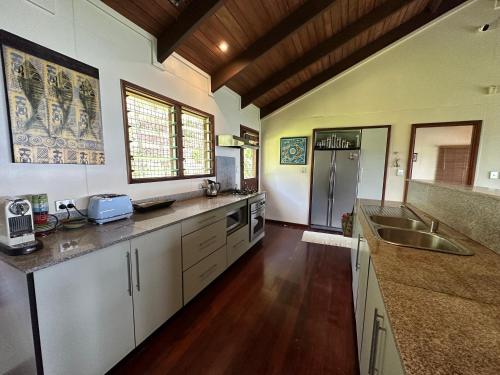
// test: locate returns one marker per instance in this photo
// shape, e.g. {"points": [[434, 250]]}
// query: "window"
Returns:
{"points": [[165, 139], [197, 150], [249, 163], [249, 160]]}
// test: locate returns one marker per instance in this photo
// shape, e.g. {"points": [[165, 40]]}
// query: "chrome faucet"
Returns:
{"points": [[434, 226], [434, 222]]}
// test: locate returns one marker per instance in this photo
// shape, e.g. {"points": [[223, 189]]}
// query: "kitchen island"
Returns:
{"points": [[443, 310]]}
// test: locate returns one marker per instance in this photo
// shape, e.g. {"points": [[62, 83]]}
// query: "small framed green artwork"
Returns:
{"points": [[293, 150]]}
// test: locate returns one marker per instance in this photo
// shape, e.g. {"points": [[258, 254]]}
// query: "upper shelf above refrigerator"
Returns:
{"points": [[337, 140]]}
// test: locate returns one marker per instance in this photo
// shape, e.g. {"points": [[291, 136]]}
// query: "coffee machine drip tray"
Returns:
{"points": [[23, 249]]}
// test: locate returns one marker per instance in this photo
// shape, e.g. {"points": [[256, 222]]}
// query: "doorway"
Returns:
{"points": [[249, 161], [443, 152]]}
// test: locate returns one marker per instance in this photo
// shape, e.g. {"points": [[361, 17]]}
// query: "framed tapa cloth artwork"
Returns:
{"points": [[53, 105], [293, 150]]}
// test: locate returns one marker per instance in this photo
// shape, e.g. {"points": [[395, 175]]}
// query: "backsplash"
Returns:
{"points": [[226, 172], [475, 212]]}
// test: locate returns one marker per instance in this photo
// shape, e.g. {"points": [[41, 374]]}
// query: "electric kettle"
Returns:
{"points": [[212, 188]]}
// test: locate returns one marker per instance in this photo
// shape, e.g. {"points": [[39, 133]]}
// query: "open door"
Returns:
{"points": [[444, 152]]}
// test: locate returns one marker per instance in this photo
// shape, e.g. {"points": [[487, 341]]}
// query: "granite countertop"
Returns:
{"points": [[479, 190], [67, 244], [444, 309]]}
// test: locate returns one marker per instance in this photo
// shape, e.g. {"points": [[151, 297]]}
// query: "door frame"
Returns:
{"points": [[474, 148], [388, 146], [245, 129]]}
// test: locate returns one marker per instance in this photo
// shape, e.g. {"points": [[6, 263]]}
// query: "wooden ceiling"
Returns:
{"points": [[278, 49]]}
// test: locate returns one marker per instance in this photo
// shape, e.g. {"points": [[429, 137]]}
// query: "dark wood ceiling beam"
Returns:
{"points": [[324, 48], [384, 41], [434, 5], [292, 22], [186, 23]]}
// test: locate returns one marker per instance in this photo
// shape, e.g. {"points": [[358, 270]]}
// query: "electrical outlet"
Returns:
{"points": [[493, 175], [497, 5], [400, 172], [66, 202]]}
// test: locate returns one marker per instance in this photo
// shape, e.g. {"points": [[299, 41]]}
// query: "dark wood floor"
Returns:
{"points": [[283, 308]]}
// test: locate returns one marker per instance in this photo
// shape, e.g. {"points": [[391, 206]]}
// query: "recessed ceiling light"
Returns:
{"points": [[223, 46]]}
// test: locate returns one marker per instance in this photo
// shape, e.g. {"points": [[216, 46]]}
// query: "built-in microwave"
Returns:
{"points": [[236, 219]]}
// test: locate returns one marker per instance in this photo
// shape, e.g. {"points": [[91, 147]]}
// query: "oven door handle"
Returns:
{"points": [[233, 212]]}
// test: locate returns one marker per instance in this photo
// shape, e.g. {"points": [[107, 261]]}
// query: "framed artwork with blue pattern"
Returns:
{"points": [[293, 150]]}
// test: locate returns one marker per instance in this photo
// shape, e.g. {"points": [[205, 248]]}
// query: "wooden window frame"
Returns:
{"points": [[474, 152], [178, 107], [243, 131]]}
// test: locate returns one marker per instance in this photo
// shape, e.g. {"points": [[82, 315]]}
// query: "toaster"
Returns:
{"points": [[104, 208]]}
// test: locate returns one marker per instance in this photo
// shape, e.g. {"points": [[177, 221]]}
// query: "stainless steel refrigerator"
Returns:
{"points": [[335, 184]]}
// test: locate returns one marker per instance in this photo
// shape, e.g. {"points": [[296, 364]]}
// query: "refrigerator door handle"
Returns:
{"points": [[331, 188]]}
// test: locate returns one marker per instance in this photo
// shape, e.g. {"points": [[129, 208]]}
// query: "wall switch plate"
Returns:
{"points": [[400, 172], [66, 202], [493, 175]]}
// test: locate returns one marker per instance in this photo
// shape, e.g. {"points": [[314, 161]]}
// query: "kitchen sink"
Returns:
{"points": [[421, 240], [398, 222]]}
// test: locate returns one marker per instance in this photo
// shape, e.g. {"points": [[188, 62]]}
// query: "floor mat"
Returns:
{"points": [[326, 239]]}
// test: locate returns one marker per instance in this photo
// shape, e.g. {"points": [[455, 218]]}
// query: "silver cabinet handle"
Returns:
{"points": [[238, 244], [137, 270], [209, 271], [358, 261], [208, 241], [357, 252], [129, 274], [206, 219], [374, 345]]}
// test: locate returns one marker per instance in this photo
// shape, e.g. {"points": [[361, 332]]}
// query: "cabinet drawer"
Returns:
{"points": [[199, 244], [200, 221], [237, 244], [203, 273]]}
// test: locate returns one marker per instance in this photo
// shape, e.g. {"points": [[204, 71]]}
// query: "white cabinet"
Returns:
{"points": [[85, 312], [203, 242], [356, 238], [237, 244], [360, 260], [157, 279], [194, 223], [379, 354], [89, 308], [372, 163], [363, 269], [203, 273]]}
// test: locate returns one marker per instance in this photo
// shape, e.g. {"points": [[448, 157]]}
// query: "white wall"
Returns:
{"points": [[93, 33], [438, 74], [427, 142]]}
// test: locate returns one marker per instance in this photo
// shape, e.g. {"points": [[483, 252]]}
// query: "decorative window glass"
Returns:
{"points": [[165, 141], [249, 163], [249, 160], [197, 140]]}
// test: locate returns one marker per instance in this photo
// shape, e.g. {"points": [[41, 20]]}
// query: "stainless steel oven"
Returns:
{"points": [[257, 219]]}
